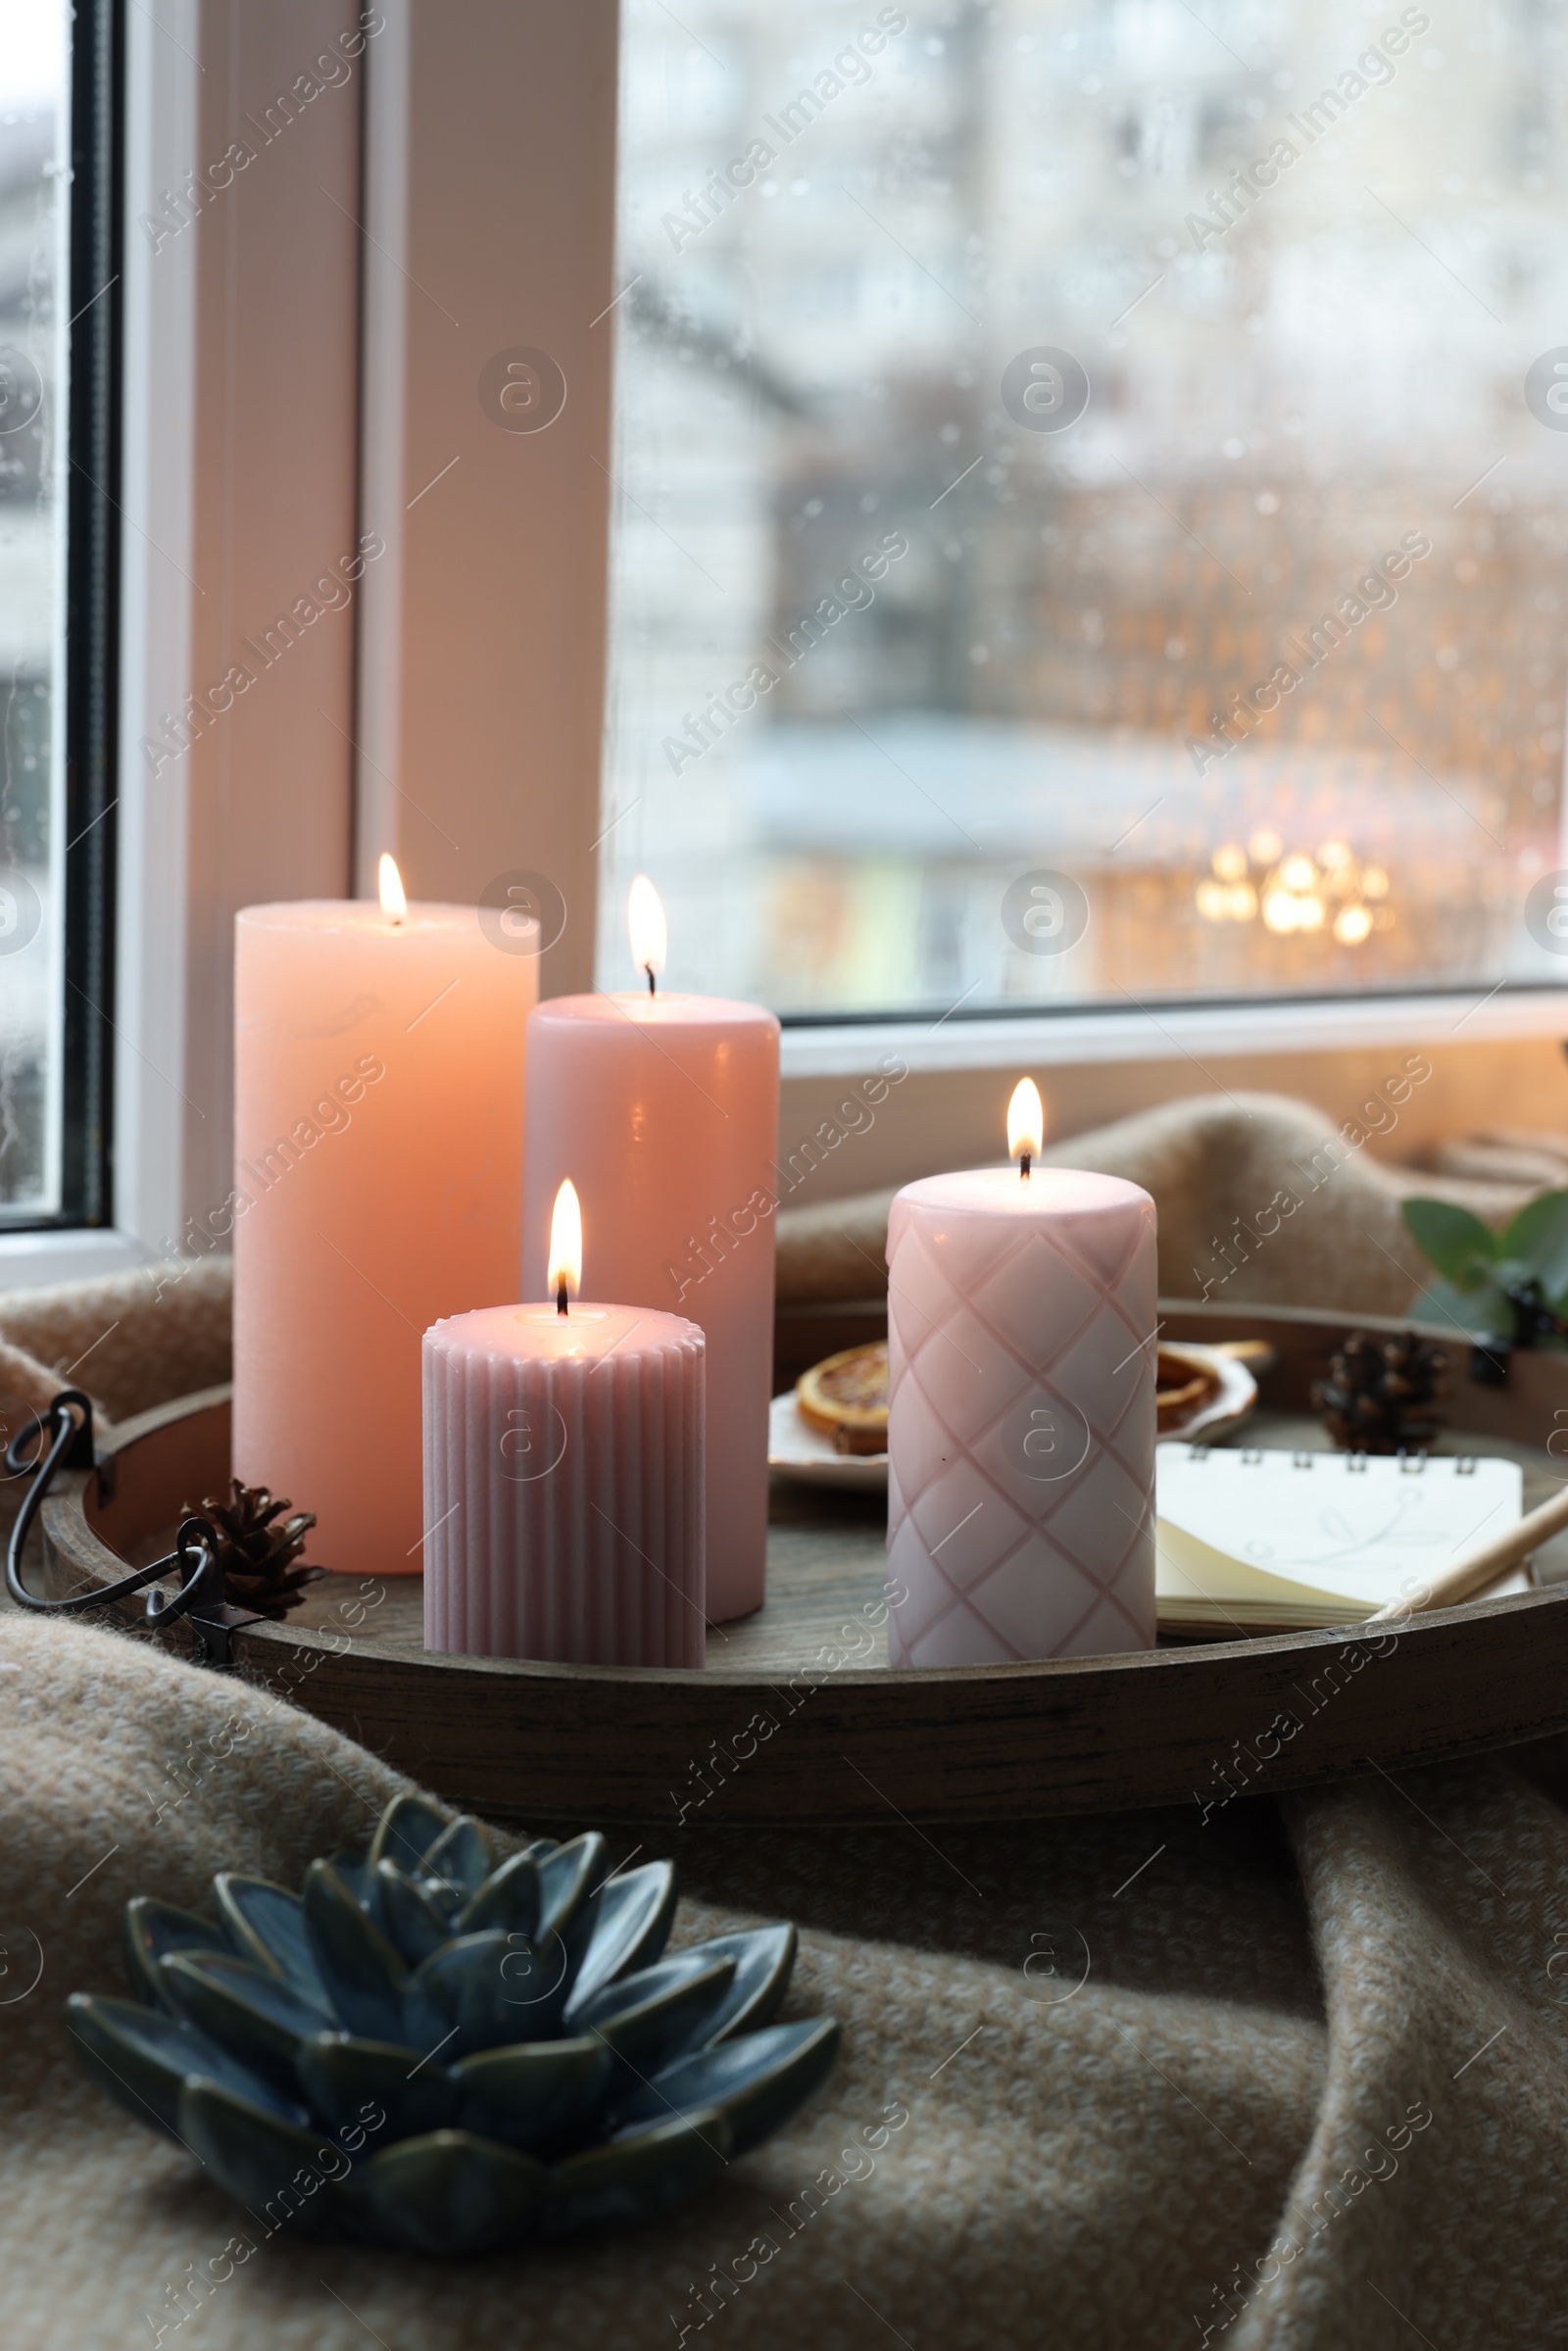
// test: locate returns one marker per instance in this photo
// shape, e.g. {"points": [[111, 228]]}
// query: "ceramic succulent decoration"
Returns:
{"points": [[431, 2051]]}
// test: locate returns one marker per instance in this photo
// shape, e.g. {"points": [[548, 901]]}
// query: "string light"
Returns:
{"points": [[1295, 892]]}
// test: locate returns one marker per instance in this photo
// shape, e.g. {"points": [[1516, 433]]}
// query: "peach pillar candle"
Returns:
{"points": [[1020, 1413], [379, 1063], [664, 1110], [563, 1484]]}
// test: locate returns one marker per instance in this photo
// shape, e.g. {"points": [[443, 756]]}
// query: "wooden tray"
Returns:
{"points": [[797, 1718]]}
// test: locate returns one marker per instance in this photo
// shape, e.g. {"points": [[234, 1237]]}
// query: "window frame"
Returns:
{"points": [[221, 515], [1201, 1031], [1121, 1021], [96, 247], [79, 1091], [472, 674]]}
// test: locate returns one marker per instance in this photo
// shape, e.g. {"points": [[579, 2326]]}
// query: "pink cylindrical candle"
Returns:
{"points": [[1021, 1418], [378, 1148], [563, 1486], [664, 1110]]}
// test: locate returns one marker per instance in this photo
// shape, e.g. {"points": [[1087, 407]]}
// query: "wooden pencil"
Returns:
{"points": [[1488, 1563]]}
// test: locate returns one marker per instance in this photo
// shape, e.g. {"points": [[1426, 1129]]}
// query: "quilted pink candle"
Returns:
{"points": [[378, 1159], [563, 1480], [1022, 1368], [664, 1110]]}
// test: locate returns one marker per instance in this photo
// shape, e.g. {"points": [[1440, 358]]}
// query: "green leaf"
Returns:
{"points": [[1539, 1238], [1458, 1244], [1480, 1313]]}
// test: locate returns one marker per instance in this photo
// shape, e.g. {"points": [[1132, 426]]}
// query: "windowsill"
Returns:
{"points": [[846, 1049], [36, 1259]]}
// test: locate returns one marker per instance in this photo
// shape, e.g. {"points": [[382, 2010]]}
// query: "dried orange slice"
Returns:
{"points": [[1182, 1387], [846, 1397]]}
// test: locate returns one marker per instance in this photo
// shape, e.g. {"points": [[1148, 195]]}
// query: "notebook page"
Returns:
{"points": [[1356, 1528], [1189, 1572]]}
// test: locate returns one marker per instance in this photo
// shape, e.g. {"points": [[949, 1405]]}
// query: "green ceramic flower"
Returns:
{"points": [[428, 2051]]}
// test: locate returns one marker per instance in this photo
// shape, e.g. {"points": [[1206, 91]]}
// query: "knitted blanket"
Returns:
{"points": [[1295, 2076], [1261, 1200], [130, 1342]]}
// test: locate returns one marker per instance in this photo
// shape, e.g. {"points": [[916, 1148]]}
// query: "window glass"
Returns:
{"points": [[1091, 499], [35, 139]]}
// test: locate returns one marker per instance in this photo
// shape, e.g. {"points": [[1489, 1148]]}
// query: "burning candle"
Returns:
{"points": [[1020, 1411], [663, 1109], [563, 1476], [379, 1158]]}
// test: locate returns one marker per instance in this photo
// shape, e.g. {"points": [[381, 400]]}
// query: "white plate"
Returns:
{"points": [[1229, 1406], [798, 1450]]}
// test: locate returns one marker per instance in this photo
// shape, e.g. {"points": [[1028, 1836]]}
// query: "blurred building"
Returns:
{"points": [[1287, 382]]}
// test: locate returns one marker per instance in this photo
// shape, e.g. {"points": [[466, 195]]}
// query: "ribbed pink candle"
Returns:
{"points": [[1020, 1417], [564, 1458]]}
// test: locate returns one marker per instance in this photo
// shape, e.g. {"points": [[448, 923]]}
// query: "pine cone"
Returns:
{"points": [[1380, 1393], [258, 1555]]}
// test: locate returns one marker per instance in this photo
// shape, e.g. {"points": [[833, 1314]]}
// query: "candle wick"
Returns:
{"points": [[652, 990], [561, 1298], [1023, 1165]]}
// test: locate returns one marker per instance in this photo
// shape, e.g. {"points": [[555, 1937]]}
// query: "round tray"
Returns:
{"points": [[797, 1718]]}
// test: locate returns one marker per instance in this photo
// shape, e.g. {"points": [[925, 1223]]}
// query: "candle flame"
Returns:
{"points": [[645, 919], [393, 903], [566, 1241], [1026, 1121]]}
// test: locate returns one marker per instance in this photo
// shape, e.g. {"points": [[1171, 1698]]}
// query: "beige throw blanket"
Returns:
{"points": [[1112, 2082], [130, 1342], [1260, 1200]]}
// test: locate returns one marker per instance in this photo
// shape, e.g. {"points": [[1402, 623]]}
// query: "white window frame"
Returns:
{"points": [[228, 515], [469, 162], [1167, 1032]]}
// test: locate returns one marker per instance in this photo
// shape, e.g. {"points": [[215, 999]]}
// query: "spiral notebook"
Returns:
{"points": [[1277, 1541]]}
